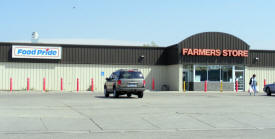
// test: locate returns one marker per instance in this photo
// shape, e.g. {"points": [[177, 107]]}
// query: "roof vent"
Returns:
{"points": [[35, 37]]}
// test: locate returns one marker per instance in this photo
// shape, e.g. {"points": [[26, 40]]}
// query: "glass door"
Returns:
{"points": [[187, 77], [239, 76]]}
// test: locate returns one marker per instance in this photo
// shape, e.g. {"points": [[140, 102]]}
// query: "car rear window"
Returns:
{"points": [[130, 75]]}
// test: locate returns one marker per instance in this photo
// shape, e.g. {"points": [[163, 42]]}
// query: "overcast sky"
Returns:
{"points": [[137, 22]]}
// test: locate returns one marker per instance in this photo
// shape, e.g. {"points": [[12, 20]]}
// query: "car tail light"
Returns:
{"points": [[144, 83], [119, 82]]}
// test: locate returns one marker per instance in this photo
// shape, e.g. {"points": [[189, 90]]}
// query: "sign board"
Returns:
{"points": [[214, 52], [36, 52]]}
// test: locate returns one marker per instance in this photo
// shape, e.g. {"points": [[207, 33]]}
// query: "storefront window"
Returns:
{"points": [[201, 73], [214, 73], [226, 73]]}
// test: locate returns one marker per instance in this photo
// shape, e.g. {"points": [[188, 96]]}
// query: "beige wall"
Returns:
{"points": [[261, 74], [174, 77], [70, 72]]}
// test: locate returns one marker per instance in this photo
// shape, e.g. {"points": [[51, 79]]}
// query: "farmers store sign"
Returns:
{"points": [[214, 52]]}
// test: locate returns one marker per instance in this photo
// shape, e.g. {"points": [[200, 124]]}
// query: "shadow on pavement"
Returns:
{"points": [[264, 95], [120, 97]]}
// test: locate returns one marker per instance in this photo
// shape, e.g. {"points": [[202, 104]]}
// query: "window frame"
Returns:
{"points": [[207, 73]]}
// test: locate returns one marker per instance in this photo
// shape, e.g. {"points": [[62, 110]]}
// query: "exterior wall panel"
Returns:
{"points": [[261, 74], [213, 86], [92, 54], [70, 72], [172, 55], [266, 58], [174, 77]]}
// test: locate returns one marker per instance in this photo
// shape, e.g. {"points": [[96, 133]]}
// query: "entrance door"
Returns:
{"points": [[186, 76], [239, 76]]}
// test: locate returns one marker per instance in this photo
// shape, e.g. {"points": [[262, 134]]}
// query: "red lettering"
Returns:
{"points": [[213, 51], [218, 52], [202, 52], [241, 53], [184, 51], [207, 52], [190, 52], [229, 52], [245, 53], [196, 52], [234, 53], [224, 53]]}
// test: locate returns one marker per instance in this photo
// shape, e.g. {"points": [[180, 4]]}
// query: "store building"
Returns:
{"points": [[210, 56]]}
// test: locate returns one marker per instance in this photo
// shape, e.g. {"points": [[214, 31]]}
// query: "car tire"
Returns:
{"points": [[140, 95], [129, 94], [106, 93], [268, 92], [116, 94]]}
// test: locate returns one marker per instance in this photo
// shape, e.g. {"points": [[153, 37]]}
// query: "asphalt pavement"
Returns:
{"points": [[158, 115]]}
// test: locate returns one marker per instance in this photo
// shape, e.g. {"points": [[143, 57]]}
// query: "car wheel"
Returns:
{"points": [[129, 94], [268, 92], [140, 95], [116, 95], [106, 93]]}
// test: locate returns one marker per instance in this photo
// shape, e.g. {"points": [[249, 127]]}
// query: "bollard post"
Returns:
{"points": [[10, 84], [92, 85], [77, 84], [205, 86], [264, 82], [221, 89], [237, 86], [153, 84], [61, 87], [28, 84], [44, 84], [184, 87]]}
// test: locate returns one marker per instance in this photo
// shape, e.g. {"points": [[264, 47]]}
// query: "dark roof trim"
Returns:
{"points": [[258, 50], [221, 33], [80, 45]]}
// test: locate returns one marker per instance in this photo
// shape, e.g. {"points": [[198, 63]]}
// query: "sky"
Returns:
{"points": [[136, 22]]}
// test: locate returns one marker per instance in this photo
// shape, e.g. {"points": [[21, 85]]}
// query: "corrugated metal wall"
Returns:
{"points": [[70, 72], [174, 77], [95, 54], [266, 58], [172, 55], [261, 74], [112, 55]]}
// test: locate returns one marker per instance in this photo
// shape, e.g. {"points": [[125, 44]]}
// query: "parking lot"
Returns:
{"points": [[157, 115]]}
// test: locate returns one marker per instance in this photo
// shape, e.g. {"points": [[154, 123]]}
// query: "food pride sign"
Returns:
{"points": [[36, 52]]}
